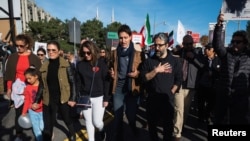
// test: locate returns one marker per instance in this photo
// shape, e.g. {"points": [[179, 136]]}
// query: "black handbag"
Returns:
{"points": [[84, 101]]}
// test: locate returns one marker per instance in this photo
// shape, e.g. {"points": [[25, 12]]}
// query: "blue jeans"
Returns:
{"points": [[37, 123], [124, 102]]}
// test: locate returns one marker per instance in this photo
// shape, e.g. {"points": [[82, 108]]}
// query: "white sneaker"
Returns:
{"points": [[81, 115], [53, 136]]}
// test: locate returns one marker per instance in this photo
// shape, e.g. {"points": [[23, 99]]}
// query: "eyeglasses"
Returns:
{"points": [[51, 50], [159, 45], [40, 54], [188, 44], [86, 52], [102, 51], [236, 42], [21, 46]]}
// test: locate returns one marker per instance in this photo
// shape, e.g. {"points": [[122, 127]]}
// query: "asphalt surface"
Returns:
{"points": [[193, 129]]}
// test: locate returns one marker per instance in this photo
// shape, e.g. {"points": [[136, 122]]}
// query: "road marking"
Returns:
{"points": [[82, 135]]}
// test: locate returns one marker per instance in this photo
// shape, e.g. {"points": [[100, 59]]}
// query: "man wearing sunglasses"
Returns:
{"points": [[233, 95], [191, 59]]}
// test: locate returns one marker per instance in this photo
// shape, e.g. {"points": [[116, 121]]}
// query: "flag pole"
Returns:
{"points": [[154, 26]]}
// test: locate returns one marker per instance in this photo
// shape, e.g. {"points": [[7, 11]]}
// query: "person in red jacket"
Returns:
{"points": [[35, 110], [16, 64]]}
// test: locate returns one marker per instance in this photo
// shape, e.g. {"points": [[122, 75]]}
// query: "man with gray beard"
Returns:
{"points": [[162, 74]]}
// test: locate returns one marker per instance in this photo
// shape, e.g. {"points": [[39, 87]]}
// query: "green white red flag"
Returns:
{"points": [[171, 39], [145, 31]]}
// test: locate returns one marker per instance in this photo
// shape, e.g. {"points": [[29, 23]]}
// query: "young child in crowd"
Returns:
{"points": [[34, 109]]}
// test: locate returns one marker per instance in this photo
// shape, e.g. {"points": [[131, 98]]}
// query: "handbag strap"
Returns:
{"points": [[92, 82]]}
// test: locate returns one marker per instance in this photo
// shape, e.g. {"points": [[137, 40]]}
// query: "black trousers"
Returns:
{"points": [[49, 117], [19, 129], [159, 108], [232, 109], [206, 102]]}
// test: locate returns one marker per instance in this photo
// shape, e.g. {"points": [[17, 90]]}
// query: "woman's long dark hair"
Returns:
{"points": [[94, 50]]}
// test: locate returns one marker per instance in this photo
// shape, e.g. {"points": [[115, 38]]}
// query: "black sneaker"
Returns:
{"points": [[72, 138], [11, 104], [209, 121], [103, 135]]}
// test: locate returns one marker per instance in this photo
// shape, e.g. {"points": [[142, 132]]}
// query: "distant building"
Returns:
{"points": [[24, 11], [30, 12]]}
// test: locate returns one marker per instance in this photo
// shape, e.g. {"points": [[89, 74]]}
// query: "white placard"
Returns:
{"points": [[40, 45]]}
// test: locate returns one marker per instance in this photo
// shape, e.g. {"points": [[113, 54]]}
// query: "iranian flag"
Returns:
{"points": [[145, 31], [143, 35], [171, 39]]}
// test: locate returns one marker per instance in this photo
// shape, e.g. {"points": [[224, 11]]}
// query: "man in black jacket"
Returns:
{"points": [[162, 73], [234, 82], [206, 91], [191, 59]]}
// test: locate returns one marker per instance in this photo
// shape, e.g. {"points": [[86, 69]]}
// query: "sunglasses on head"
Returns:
{"points": [[51, 50], [86, 52], [236, 41]]}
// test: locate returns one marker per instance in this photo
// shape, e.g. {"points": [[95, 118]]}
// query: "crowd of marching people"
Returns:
{"points": [[217, 77]]}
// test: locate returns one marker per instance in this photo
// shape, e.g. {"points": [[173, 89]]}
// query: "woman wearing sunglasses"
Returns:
{"points": [[59, 94], [98, 91], [41, 53], [16, 64]]}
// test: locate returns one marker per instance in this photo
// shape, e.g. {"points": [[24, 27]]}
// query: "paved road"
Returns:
{"points": [[193, 130]]}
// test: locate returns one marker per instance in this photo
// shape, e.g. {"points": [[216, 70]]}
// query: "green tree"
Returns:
{"points": [[93, 30], [44, 31], [54, 29], [35, 29], [113, 27]]}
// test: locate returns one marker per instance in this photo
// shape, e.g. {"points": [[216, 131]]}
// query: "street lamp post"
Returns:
{"points": [[238, 22], [156, 24]]}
